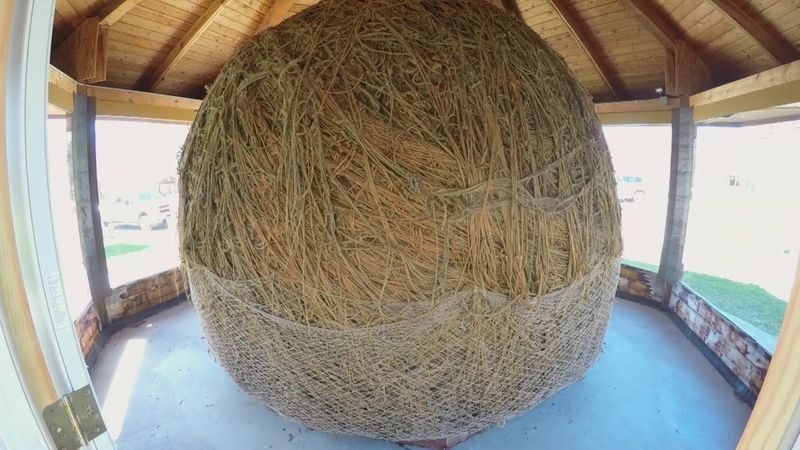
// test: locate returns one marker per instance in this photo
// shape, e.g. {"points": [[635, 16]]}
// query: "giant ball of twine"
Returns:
{"points": [[399, 218]]}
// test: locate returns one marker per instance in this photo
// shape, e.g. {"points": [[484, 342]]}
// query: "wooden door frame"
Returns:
{"points": [[39, 350]]}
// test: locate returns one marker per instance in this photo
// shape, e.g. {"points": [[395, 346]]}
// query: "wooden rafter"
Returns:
{"points": [[276, 14], [581, 36], [655, 22], [782, 52], [180, 50], [114, 10]]}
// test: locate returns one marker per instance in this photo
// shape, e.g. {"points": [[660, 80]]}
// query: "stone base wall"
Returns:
{"points": [[639, 283], [735, 354], [88, 329], [133, 298], [740, 353]]}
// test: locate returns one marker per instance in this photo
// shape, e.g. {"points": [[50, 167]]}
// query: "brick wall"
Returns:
{"points": [[740, 353], [133, 298]]}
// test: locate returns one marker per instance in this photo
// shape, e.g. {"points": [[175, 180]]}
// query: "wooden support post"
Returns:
{"points": [[87, 200], [680, 192]]}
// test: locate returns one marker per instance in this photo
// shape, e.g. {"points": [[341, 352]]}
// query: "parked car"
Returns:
{"points": [[146, 211], [630, 188]]}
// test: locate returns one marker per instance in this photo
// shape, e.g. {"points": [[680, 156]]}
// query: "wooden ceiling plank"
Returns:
{"points": [[762, 5], [114, 10], [133, 34], [670, 5], [782, 15], [277, 12], [600, 11], [185, 43], [781, 51], [582, 37], [694, 17], [584, 6], [712, 33], [702, 24], [683, 10], [723, 41]]}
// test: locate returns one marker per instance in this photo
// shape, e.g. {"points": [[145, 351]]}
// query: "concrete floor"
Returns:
{"points": [[159, 387]]}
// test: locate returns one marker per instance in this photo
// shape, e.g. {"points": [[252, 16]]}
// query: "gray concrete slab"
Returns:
{"points": [[160, 388]]}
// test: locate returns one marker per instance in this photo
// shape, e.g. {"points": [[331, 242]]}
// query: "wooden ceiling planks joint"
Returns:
{"points": [[584, 40], [782, 52], [150, 82]]}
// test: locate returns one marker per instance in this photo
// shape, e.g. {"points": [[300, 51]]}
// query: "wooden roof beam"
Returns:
{"points": [[772, 87], [114, 10], [652, 19], [149, 83], [781, 51], [582, 37], [276, 14]]}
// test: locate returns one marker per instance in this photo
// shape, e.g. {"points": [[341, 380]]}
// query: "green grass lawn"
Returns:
{"points": [[745, 300], [123, 249]]}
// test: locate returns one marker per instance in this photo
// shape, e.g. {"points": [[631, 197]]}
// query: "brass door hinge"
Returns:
{"points": [[74, 419]]}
